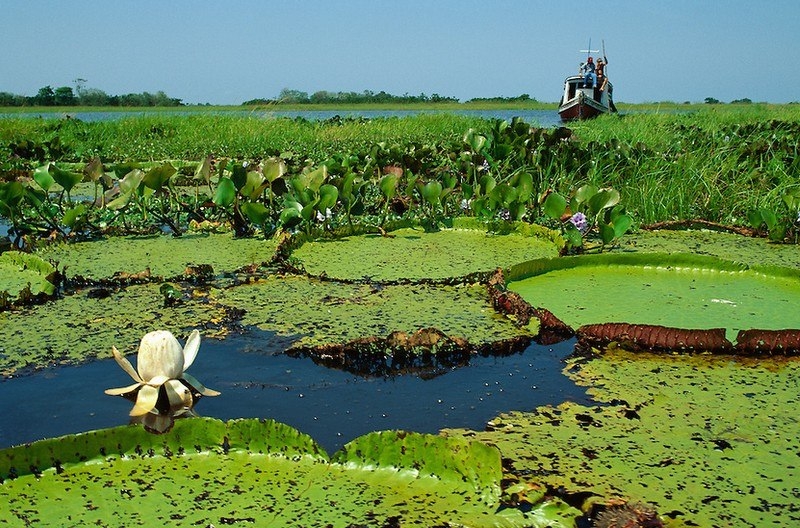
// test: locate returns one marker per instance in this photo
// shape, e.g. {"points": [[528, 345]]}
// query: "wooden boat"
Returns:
{"points": [[580, 101]]}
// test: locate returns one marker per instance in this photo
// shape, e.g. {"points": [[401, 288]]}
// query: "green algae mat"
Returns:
{"points": [[80, 327], [678, 290], [206, 473], [726, 246], [708, 441], [413, 254], [318, 312], [164, 256]]}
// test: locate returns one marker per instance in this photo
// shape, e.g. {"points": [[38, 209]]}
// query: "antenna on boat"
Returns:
{"points": [[589, 50]]}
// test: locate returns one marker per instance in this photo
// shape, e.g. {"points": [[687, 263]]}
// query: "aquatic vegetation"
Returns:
{"points": [[161, 376], [691, 291], [79, 327], [707, 441], [262, 472], [315, 312], [414, 254], [24, 277]]}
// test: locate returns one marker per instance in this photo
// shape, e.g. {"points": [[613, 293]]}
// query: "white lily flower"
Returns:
{"points": [[162, 364]]}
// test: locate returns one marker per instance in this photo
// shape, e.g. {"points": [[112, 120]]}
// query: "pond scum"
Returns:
{"points": [[679, 438]]}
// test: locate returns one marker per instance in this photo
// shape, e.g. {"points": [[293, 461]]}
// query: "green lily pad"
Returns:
{"points": [[165, 256], [708, 441], [320, 312], [681, 290], [205, 472], [413, 254], [728, 246], [79, 327], [19, 271]]}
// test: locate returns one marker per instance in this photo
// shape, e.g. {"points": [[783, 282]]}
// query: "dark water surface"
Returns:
{"points": [[257, 380], [543, 118]]}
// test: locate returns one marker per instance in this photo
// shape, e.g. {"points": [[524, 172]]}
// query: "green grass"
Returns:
{"points": [[669, 161]]}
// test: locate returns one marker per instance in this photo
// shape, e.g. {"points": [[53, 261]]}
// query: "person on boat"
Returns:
{"points": [[600, 73], [589, 76]]}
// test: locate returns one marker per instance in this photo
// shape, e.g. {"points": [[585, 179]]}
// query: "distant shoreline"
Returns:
{"points": [[527, 105]]}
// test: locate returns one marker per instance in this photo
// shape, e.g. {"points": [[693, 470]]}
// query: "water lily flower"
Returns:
{"points": [[161, 369]]}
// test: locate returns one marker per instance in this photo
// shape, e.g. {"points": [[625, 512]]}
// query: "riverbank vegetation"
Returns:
{"points": [[719, 164]]}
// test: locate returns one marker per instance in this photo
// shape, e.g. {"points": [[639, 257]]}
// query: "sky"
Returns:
{"points": [[227, 52]]}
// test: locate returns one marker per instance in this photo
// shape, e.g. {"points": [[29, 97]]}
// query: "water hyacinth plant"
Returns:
{"points": [[163, 390]]}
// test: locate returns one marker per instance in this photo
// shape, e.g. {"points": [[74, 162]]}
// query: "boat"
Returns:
{"points": [[580, 101], [583, 99]]}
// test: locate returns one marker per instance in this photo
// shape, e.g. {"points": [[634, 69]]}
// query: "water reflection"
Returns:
{"points": [[257, 380]]}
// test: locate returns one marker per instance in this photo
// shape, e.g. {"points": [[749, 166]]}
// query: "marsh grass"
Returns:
{"points": [[714, 162]]}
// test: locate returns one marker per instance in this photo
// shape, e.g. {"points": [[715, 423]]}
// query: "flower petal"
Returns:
{"points": [[123, 390], [157, 381], [160, 354], [125, 364], [190, 349], [179, 396], [145, 401], [196, 385], [157, 423]]}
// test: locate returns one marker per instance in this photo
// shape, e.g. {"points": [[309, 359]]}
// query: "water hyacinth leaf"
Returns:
{"points": [[158, 176], [277, 473], [11, 195], [388, 185], [603, 199], [328, 195], [256, 212], [225, 194], [290, 216], [607, 233], [523, 183], [66, 179], [432, 191], [74, 215], [487, 183], [621, 224], [273, 168], [94, 170], [503, 194], [554, 206], [203, 171], [254, 185], [131, 181], [583, 195], [238, 174], [41, 175]]}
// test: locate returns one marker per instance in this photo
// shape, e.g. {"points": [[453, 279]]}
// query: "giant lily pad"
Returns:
{"points": [[413, 254], [728, 246], [206, 472], [165, 256], [681, 291], [709, 442], [320, 312], [82, 326]]}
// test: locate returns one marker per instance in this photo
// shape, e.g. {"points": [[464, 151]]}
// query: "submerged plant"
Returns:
{"points": [[163, 390]]}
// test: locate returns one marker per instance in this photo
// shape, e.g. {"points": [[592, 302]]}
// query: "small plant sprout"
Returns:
{"points": [[163, 390]]}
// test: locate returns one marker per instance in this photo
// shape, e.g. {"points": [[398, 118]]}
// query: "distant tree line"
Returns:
{"points": [[82, 96], [518, 99], [289, 96]]}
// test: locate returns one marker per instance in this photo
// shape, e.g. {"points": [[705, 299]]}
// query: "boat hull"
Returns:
{"points": [[580, 102]]}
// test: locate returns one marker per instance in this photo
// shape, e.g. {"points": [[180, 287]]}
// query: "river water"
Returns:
{"points": [[542, 118], [258, 381]]}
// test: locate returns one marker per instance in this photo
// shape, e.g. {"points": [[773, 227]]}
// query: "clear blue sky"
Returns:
{"points": [[226, 52]]}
